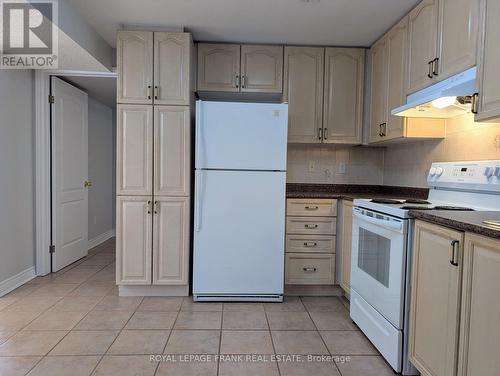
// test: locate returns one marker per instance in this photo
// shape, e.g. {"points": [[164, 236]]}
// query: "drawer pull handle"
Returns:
{"points": [[312, 207], [309, 226], [309, 270], [310, 244]]}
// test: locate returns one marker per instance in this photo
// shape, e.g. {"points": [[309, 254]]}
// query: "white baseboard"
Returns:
{"points": [[99, 239], [17, 280]]}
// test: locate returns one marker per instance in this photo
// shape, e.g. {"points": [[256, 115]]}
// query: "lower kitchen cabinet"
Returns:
{"points": [[310, 269], [435, 299], [479, 332], [152, 240], [134, 231], [171, 241], [346, 246]]}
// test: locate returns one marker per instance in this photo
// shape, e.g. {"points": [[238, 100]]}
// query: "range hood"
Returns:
{"points": [[446, 99]]}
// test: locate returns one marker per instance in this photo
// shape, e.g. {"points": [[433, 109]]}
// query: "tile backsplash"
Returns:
{"points": [[404, 164]]}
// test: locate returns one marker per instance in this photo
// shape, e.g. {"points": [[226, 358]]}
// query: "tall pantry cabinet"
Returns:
{"points": [[154, 95]]}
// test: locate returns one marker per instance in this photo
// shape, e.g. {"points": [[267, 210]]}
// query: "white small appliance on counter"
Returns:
{"points": [[382, 251], [239, 215]]}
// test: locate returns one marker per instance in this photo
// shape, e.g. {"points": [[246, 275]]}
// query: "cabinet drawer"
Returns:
{"points": [[310, 269], [311, 225], [311, 207], [310, 244]]}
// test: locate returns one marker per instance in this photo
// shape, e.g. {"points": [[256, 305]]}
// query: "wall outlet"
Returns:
{"points": [[342, 168], [312, 166]]}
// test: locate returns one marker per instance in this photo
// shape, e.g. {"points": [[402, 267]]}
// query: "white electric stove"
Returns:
{"points": [[381, 250]]}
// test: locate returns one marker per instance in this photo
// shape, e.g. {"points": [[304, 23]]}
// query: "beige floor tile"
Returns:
{"points": [[55, 320], [193, 342], [298, 342], [102, 320], [320, 303], [365, 366], [32, 304], [198, 320], [55, 289], [118, 303], [189, 305], [85, 343], [248, 368], [21, 291], [248, 307], [306, 368], [76, 304], [73, 277], [17, 366], [152, 320], [244, 320], [289, 304], [92, 289], [290, 321], [139, 342], [333, 320], [42, 280], [13, 320], [5, 335], [246, 342], [65, 365], [120, 365], [159, 304], [349, 342], [28, 343], [187, 369], [7, 301]]}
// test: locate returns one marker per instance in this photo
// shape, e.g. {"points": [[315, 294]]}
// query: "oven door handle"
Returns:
{"points": [[397, 226]]}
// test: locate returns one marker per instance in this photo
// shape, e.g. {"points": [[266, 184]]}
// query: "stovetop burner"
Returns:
{"points": [[417, 201], [388, 201]]}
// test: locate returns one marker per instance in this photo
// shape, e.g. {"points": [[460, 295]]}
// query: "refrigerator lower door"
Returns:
{"points": [[241, 136], [239, 234]]}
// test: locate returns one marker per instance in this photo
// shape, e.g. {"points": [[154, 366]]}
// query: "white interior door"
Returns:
{"points": [[69, 173]]}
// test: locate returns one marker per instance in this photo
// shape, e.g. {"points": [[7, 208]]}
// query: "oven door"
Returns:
{"points": [[378, 262]]}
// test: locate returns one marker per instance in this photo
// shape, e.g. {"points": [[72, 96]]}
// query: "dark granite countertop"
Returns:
{"points": [[353, 191], [471, 221]]}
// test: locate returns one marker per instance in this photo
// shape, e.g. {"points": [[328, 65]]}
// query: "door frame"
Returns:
{"points": [[43, 162]]}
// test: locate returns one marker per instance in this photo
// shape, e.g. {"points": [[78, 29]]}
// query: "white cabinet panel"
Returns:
{"points": [[261, 69], [218, 67]]}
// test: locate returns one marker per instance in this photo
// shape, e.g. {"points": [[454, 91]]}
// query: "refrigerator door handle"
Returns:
{"points": [[198, 141], [199, 200]]}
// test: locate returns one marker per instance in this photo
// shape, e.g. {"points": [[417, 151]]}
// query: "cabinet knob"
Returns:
{"points": [[312, 207], [310, 226], [310, 244], [309, 269]]}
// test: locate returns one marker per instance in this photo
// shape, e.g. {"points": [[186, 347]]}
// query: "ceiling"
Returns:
{"points": [[102, 89], [301, 22]]}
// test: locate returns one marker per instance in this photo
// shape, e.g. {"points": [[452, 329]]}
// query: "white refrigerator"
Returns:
{"points": [[239, 214]]}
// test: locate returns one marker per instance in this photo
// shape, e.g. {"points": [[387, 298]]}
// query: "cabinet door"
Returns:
{"points": [[480, 331], [343, 102], [133, 240], [172, 155], [134, 160], [171, 241], [459, 29], [489, 61], [346, 250], [135, 67], [435, 299], [304, 92], [423, 43], [378, 95], [397, 59], [219, 67], [172, 68], [261, 69]]}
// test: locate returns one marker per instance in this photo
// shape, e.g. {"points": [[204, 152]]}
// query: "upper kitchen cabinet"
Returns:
{"points": [[135, 67], [458, 31], [261, 69], [423, 44], [218, 67], [343, 96], [303, 89], [488, 101], [378, 95], [171, 66]]}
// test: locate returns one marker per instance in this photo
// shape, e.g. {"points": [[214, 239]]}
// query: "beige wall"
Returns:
{"points": [[408, 164], [364, 165]]}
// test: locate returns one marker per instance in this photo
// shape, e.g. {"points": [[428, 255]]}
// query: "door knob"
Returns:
{"points": [[87, 183]]}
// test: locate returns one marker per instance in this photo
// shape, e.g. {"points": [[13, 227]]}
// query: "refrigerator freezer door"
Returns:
{"points": [[239, 233], [241, 136]]}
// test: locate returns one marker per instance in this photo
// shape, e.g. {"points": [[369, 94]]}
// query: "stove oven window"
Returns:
{"points": [[374, 255]]}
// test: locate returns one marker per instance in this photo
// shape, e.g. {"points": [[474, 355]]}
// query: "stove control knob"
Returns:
{"points": [[432, 171], [439, 171], [488, 172]]}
